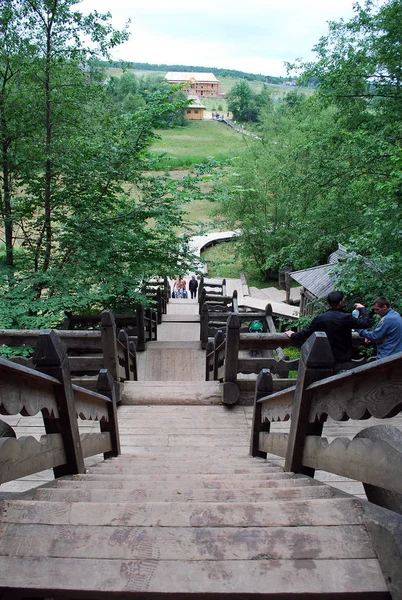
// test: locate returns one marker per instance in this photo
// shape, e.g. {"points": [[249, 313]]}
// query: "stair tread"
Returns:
{"points": [[295, 513], [195, 577]]}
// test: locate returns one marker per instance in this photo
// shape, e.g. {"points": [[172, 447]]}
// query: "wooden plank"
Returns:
{"points": [[85, 364], [293, 513], [191, 543]]}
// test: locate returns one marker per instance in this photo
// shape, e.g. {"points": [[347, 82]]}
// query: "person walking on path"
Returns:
{"points": [[388, 333], [337, 325], [193, 287]]}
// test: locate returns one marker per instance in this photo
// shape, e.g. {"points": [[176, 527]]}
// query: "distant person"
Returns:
{"points": [[337, 325], [193, 287], [179, 287], [388, 333]]}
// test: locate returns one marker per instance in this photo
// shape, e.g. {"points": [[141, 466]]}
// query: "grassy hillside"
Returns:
{"points": [[187, 146]]}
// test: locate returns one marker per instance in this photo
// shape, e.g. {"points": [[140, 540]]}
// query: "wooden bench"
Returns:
{"points": [[48, 389], [88, 351]]}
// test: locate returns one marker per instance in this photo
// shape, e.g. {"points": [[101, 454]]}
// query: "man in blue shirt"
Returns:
{"points": [[388, 333]]}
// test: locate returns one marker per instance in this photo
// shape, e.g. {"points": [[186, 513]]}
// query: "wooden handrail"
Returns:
{"points": [[48, 389], [370, 390]]}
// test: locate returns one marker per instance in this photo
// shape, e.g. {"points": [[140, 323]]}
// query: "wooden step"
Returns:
{"points": [[183, 318], [356, 578], [232, 543], [181, 494], [292, 513], [171, 392]]}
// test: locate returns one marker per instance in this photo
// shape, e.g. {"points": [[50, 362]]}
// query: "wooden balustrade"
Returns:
{"points": [[88, 351], [48, 389], [373, 389]]}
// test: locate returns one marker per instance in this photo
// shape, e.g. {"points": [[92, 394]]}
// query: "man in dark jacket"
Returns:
{"points": [[193, 286], [337, 325]]}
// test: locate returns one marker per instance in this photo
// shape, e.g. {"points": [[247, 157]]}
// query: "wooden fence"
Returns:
{"points": [[88, 351], [48, 389]]}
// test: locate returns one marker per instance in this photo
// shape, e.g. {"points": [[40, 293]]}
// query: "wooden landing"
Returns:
{"points": [[172, 361], [186, 512]]}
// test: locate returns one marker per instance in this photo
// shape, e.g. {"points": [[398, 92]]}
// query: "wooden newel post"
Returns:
{"points": [[263, 387], [50, 357], [200, 288], [201, 299], [123, 339], [209, 361], [159, 304], [232, 347], [218, 339], [204, 326], [105, 386], [235, 303], [223, 287], [109, 343], [316, 362], [133, 366], [140, 328]]}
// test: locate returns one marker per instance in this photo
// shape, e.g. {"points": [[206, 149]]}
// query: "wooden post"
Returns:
{"points": [[204, 326], [123, 339], [232, 347], [235, 303], [263, 387], [159, 304], [50, 357], [133, 357], [316, 362], [218, 339], [200, 288], [223, 287], [140, 328], [109, 345], [201, 299], [105, 386], [209, 360]]}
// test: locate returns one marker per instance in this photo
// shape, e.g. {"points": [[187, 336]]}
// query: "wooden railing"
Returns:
{"points": [[373, 389], [141, 327], [48, 389], [88, 351], [215, 311], [210, 288], [158, 291], [238, 352]]}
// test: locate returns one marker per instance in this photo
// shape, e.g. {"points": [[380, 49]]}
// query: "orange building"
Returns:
{"points": [[201, 84], [195, 110]]}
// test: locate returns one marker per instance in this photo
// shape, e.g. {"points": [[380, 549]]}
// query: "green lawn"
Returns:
{"points": [[189, 145]]}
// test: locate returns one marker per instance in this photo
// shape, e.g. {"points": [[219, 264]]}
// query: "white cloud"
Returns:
{"points": [[255, 36]]}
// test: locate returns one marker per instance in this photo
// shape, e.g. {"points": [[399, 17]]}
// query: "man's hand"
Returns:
{"points": [[289, 333]]}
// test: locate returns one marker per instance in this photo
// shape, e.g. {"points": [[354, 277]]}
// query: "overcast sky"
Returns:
{"points": [[256, 36]]}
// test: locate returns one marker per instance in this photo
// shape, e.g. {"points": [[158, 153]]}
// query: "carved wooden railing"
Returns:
{"points": [[373, 389], [88, 351], [158, 291], [49, 390]]}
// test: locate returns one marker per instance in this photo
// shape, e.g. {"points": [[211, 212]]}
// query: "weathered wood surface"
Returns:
{"points": [[172, 392]]}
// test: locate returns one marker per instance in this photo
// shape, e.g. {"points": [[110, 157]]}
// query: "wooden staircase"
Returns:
{"points": [[185, 512], [192, 514]]}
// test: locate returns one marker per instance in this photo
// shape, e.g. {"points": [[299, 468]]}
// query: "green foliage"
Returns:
{"points": [[89, 227], [12, 351], [244, 104]]}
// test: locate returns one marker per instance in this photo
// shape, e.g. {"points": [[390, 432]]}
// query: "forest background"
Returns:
{"points": [[88, 214]]}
